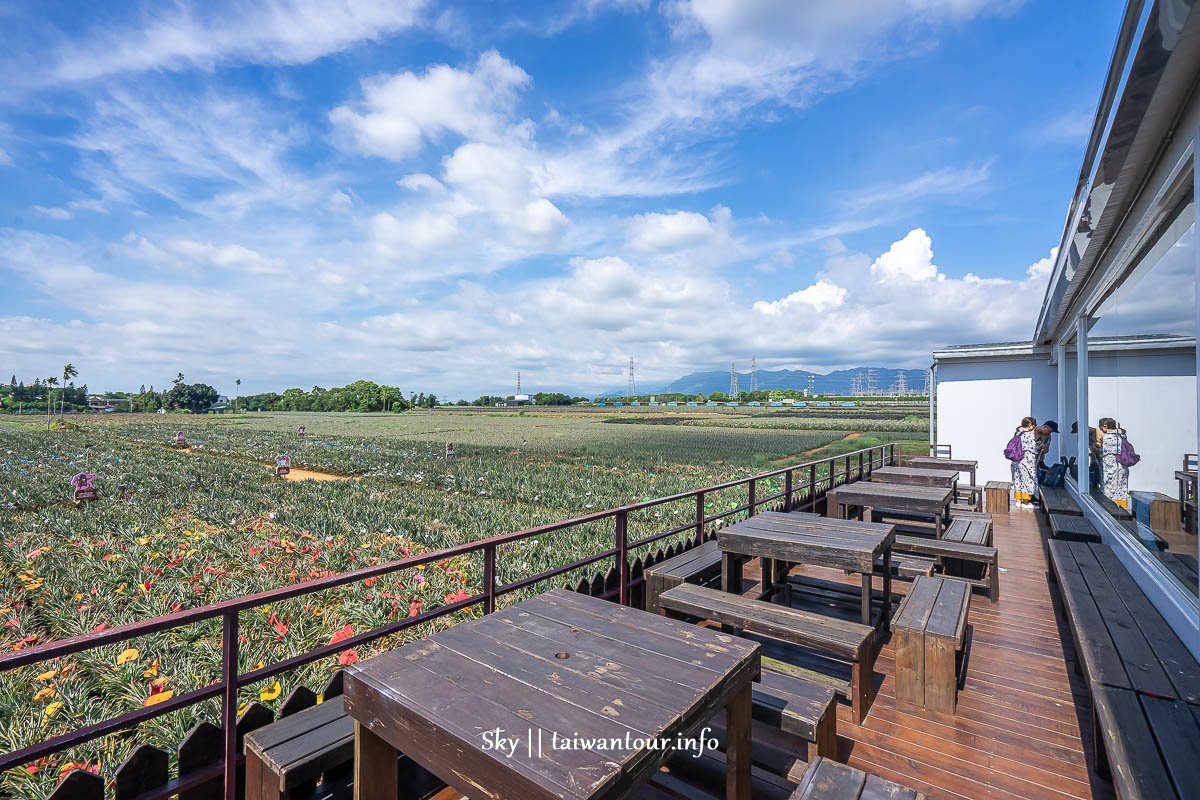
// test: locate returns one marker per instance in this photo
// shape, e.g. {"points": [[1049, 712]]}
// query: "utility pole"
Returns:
{"points": [[753, 374]]}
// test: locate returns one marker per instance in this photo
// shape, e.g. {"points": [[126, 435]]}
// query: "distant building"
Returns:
{"points": [[96, 403], [517, 400], [221, 406]]}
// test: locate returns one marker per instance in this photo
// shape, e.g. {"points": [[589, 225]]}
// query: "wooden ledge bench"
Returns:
{"points": [[996, 496], [1145, 684], [286, 758], [931, 632], [1057, 500], [907, 567], [954, 556], [1073, 529], [851, 641], [700, 565], [798, 706], [829, 780], [969, 530]]}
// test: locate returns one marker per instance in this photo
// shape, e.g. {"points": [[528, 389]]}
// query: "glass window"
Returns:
{"points": [[1142, 399]]}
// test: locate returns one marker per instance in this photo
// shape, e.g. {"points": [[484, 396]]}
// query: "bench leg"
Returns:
{"points": [[375, 774], [826, 737], [862, 682], [994, 581], [737, 745], [261, 783], [866, 598], [1099, 754], [941, 680]]}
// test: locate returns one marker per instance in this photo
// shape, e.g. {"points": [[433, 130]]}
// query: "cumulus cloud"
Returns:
{"points": [[821, 296], [399, 112], [909, 259], [654, 233]]}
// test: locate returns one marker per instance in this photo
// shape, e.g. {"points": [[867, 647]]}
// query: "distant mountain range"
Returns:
{"points": [[837, 382]]}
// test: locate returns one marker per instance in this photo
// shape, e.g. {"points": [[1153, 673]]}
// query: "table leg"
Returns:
{"points": [[375, 774], [887, 590], [737, 750], [766, 569], [731, 573], [866, 598]]}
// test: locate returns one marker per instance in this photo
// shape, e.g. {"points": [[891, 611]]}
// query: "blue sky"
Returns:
{"points": [[435, 195]]}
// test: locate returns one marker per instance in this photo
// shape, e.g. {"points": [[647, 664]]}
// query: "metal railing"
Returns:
{"points": [[800, 480]]}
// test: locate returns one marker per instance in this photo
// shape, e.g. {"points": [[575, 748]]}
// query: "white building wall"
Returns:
{"points": [[980, 404]]}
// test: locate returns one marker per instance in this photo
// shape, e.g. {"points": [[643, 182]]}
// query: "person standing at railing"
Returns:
{"points": [[1022, 451]]}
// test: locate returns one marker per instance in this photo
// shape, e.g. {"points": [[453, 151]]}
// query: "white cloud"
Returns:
{"points": [[399, 112], [944, 182], [1043, 266], [185, 35], [910, 259], [189, 254], [655, 233], [414, 236], [60, 214], [821, 296], [419, 181], [5, 158]]}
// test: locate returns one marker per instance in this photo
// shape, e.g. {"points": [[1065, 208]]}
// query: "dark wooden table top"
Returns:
{"points": [[557, 665], [802, 539], [892, 495], [915, 476], [958, 464]]}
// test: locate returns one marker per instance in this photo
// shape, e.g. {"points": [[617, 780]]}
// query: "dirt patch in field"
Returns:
{"points": [[852, 436], [309, 475]]}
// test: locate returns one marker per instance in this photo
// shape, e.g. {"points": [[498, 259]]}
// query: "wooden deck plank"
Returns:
{"points": [[1022, 716]]}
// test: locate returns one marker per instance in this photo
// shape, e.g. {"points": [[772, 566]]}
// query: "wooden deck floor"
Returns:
{"points": [[1023, 714]]}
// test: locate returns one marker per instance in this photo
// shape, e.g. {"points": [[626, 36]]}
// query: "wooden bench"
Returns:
{"points": [[829, 780], [286, 758], [1145, 684], [907, 567], [851, 641], [996, 495], [955, 555], [1057, 500], [1157, 511], [700, 565], [969, 531], [930, 634], [1073, 529], [798, 706]]}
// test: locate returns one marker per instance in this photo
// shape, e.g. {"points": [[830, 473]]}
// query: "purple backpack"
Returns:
{"points": [[1127, 456], [1014, 450]]}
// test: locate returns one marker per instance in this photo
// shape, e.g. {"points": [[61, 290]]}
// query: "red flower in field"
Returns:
{"points": [[99, 628], [370, 582], [256, 550], [347, 657], [462, 595], [176, 606], [342, 634], [414, 608]]}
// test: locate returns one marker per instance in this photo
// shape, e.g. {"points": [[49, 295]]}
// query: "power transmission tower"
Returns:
{"points": [[753, 374], [632, 386], [901, 385], [870, 383], [733, 382], [812, 385], [518, 382]]}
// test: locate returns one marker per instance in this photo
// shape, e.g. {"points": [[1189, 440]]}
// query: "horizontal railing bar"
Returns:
{"points": [[553, 573]]}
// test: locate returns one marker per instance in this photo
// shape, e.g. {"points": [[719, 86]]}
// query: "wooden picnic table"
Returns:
{"points": [[557, 665], [916, 476], [956, 464], [777, 536], [925, 500]]}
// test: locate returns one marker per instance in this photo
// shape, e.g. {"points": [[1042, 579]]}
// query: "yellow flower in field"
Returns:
{"points": [[159, 697], [192, 552], [45, 676], [271, 692], [52, 709], [152, 672], [242, 708], [143, 540], [78, 596], [127, 655], [44, 694]]}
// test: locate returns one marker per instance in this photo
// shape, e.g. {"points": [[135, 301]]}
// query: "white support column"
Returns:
{"points": [[1060, 358], [1081, 404]]}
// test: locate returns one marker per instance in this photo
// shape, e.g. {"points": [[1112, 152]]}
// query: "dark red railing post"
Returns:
{"points": [[623, 557], [787, 490], [812, 487], [489, 578], [860, 471], [699, 517], [229, 708], [752, 497]]}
